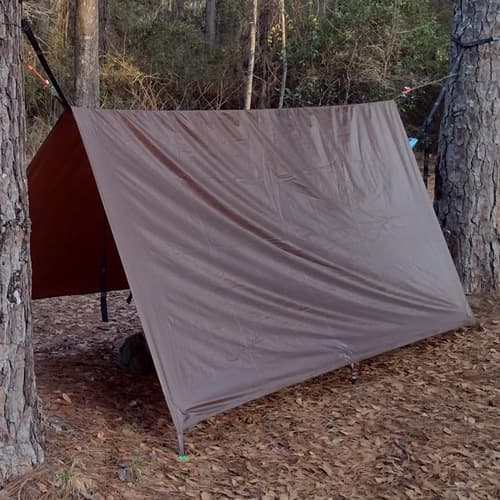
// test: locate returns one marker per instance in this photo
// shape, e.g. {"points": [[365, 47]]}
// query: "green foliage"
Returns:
{"points": [[339, 51], [65, 476], [365, 50]]}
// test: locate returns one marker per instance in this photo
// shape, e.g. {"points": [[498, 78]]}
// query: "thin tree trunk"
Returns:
{"points": [[103, 26], [283, 53], [210, 17], [178, 9], [87, 54], [20, 422], [469, 150], [61, 15], [251, 56], [42, 20]]}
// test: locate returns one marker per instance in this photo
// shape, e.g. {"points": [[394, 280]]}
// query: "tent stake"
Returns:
{"points": [[354, 372], [182, 453], [104, 292]]}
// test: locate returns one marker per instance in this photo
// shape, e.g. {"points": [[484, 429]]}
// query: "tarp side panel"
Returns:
{"points": [[69, 230], [266, 247]]}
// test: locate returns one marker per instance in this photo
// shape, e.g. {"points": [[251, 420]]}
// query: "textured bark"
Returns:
{"points": [[87, 53], [178, 9], [20, 426], [251, 55], [211, 16], [42, 19], [283, 52], [469, 150], [103, 26], [62, 9]]}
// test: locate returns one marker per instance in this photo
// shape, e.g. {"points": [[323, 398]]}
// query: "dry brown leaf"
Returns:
{"points": [[327, 469], [66, 398], [276, 442], [42, 487]]}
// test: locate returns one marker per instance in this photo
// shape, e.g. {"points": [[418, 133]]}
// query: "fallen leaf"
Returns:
{"points": [[66, 398], [326, 468], [42, 487]]}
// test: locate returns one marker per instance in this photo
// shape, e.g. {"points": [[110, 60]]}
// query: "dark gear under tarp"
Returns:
{"points": [[262, 247]]}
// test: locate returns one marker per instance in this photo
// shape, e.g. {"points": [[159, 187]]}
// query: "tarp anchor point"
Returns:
{"points": [[182, 457], [354, 372]]}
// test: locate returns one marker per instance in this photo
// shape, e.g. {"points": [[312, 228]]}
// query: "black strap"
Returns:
{"points": [[104, 290], [38, 51], [475, 43], [103, 281]]}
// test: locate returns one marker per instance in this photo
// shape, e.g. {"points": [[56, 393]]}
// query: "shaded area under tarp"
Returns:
{"points": [[70, 235]]}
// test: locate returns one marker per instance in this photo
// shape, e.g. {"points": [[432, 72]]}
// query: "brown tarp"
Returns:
{"points": [[262, 248]]}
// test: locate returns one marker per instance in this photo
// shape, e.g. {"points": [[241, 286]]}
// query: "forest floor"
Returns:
{"points": [[422, 422]]}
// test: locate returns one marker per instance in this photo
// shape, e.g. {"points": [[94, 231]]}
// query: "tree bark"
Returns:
{"points": [[87, 54], [251, 55], [42, 19], [283, 53], [62, 10], [20, 422], [178, 9], [469, 150], [210, 17], [103, 26]]}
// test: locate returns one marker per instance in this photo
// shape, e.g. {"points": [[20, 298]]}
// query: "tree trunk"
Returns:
{"points": [[41, 21], [103, 26], [251, 55], [283, 53], [20, 422], [178, 10], [61, 15], [87, 54], [210, 17], [469, 150]]}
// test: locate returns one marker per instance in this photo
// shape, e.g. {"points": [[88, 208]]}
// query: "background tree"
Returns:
{"points": [[87, 53], [103, 26], [338, 51], [283, 52], [251, 55], [469, 153], [178, 8], [211, 21], [20, 427]]}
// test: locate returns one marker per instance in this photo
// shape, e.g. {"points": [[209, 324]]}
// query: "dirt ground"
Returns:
{"points": [[422, 422]]}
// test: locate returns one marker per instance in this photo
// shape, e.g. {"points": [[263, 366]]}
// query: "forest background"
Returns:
{"points": [[192, 54]]}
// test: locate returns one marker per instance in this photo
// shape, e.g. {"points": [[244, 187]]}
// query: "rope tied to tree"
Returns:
{"points": [[58, 94], [453, 72]]}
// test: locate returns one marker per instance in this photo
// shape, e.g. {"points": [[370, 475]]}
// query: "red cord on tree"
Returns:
{"points": [[45, 82]]}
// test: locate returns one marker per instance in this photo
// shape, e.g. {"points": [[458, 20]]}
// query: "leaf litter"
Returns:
{"points": [[421, 422]]}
